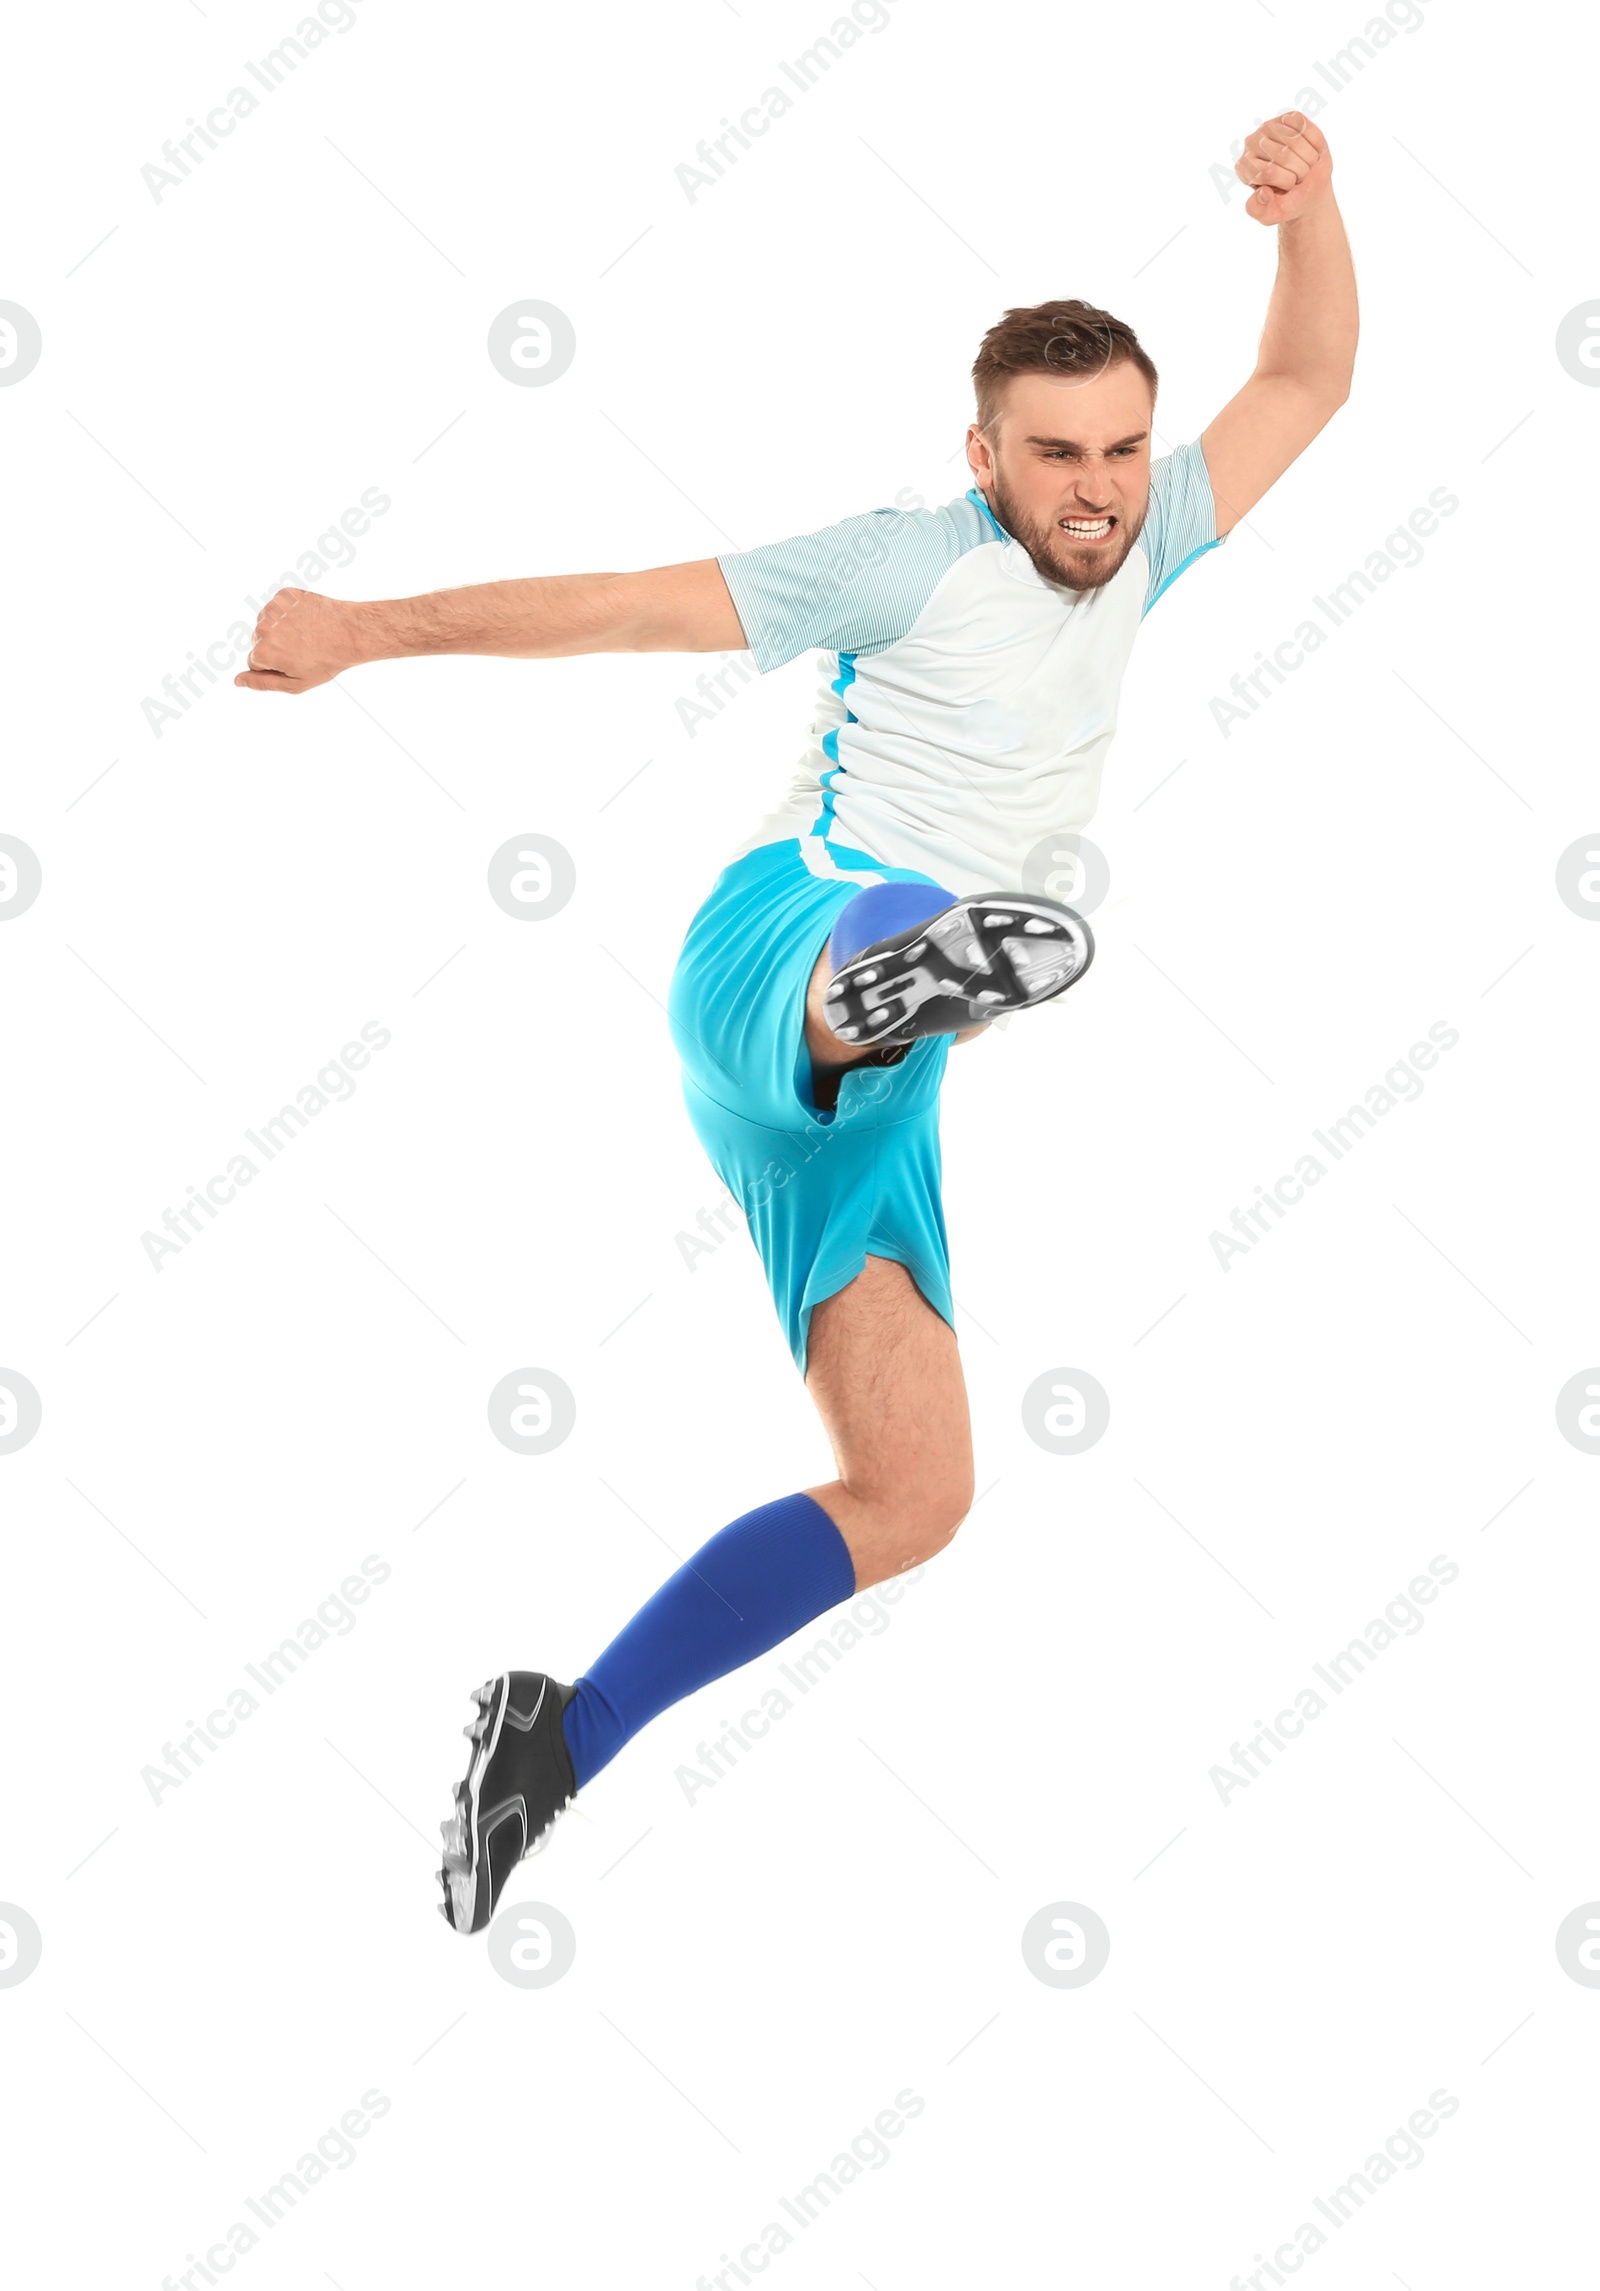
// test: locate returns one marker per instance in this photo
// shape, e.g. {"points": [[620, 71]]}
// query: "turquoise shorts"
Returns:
{"points": [[820, 1191]]}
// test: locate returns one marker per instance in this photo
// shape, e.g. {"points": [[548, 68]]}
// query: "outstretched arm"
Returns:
{"points": [[1308, 346], [303, 639]]}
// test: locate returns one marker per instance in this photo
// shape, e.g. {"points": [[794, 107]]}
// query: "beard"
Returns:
{"points": [[1053, 555]]}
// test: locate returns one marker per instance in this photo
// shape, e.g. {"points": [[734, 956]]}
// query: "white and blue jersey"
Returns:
{"points": [[966, 704]]}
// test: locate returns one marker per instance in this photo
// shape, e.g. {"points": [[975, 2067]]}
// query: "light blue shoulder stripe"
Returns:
{"points": [[1177, 569], [855, 587], [1181, 523]]}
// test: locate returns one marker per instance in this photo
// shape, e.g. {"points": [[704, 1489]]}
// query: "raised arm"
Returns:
{"points": [[1308, 345], [303, 639]]}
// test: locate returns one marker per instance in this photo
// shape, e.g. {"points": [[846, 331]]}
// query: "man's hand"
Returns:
{"points": [[1289, 166], [301, 640]]}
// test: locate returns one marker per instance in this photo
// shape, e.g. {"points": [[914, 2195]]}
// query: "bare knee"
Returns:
{"points": [[942, 1513], [890, 1536], [886, 1376]]}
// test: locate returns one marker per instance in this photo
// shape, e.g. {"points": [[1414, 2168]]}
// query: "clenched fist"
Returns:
{"points": [[301, 640], [1288, 165]]}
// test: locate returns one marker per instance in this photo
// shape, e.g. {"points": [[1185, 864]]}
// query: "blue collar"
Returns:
{"points": [[978, 502]]}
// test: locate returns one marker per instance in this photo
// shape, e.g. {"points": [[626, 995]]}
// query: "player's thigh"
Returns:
{"points": [[884, 1371]]}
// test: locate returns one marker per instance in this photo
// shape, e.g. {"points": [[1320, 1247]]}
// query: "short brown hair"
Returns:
{"points": [[1068, 338]]}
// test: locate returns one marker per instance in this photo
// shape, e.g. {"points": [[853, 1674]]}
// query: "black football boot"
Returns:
{"points": [[517, 1781], [980, 958]]}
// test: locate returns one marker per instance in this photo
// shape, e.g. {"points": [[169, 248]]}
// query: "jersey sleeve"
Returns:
{"points": [[857, 586], [1182, 521]]}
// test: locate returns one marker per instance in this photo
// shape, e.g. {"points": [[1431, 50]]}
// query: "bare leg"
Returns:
{"points": [[885, 1373], [826, 1047]]}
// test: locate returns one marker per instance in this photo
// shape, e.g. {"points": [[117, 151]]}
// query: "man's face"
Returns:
{"points": [[1065, 466]]}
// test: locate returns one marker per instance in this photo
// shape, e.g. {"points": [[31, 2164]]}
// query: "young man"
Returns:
{"points": [[972, 657]]}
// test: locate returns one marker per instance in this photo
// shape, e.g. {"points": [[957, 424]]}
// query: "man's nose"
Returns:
{"points": [[1093, 488]]}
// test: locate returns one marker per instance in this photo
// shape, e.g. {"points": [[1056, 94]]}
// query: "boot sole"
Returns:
{"points": [[980, 959]]}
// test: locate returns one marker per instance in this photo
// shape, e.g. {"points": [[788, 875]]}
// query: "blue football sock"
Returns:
{"points": [[750, 1587], [881, 910]]}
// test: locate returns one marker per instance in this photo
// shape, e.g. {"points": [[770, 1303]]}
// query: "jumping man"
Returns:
{"points": [[971, 660]]}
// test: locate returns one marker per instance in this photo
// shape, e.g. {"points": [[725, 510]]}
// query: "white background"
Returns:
{"points": [[1292, 906]]}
